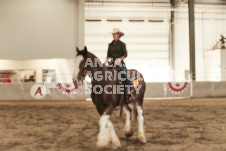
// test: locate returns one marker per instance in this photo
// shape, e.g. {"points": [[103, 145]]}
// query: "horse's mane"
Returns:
{"points": [[92, 56]]}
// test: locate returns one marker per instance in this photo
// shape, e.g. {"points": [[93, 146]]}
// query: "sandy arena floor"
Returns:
{"points": [[170, 125]]}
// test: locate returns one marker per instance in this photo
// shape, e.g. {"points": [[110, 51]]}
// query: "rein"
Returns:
{"points": [[84, 73]]}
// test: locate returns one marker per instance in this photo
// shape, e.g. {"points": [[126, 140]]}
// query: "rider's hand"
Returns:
{"points": [[106, 64], [118, 61]]}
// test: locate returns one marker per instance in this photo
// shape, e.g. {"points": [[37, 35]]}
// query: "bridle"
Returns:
{"points": [[84, 73]]}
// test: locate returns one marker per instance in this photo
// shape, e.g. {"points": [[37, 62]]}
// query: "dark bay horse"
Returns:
{"points": [[106, 102]]}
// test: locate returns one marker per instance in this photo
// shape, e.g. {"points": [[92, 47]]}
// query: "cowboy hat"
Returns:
{"points": [[117, 30]]}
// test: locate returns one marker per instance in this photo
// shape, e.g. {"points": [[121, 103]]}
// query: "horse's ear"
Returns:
{"points": [[85, 51], [77, 49]]}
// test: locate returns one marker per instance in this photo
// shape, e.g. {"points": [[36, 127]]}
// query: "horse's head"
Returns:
{"points": [[80, 69]]}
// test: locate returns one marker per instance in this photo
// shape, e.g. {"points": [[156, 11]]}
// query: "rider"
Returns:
{"points": [[117, 51]]}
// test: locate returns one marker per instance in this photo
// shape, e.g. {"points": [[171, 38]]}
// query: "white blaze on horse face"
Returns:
{"points": [[78, 60]]}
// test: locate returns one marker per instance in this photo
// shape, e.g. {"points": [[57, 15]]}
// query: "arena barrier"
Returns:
{"points": [[154, 90], [28, 95], [219, 89], [202, 89], [29, 92], [34, 91], [11, 91]]}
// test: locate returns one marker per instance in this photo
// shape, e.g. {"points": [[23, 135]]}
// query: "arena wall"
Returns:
{"points": [[11, 91], [41, 29], [22, 91]]}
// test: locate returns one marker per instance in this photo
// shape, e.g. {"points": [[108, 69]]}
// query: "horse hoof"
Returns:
{"points": [[129, 133], [102, 147], [142, 139], [116, 145]]}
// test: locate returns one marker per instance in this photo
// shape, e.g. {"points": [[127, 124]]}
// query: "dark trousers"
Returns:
{"points": [[122, 67]]}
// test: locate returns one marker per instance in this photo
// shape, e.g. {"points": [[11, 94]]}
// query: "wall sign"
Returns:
{"points": [[177, 87]]}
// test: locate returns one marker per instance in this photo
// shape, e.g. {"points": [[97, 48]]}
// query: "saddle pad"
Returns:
{"points": [[135, 83]]}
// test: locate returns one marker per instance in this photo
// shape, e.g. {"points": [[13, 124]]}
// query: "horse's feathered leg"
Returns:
{"points": [[128, 129], [107, 132], [141, 135]]}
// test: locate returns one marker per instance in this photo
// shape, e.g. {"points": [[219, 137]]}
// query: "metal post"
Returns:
{"points": [[192, 39], [81, 23], [172, 35]]}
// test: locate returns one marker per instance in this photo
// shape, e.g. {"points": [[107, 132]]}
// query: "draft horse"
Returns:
{"points": [[106, 103]]}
